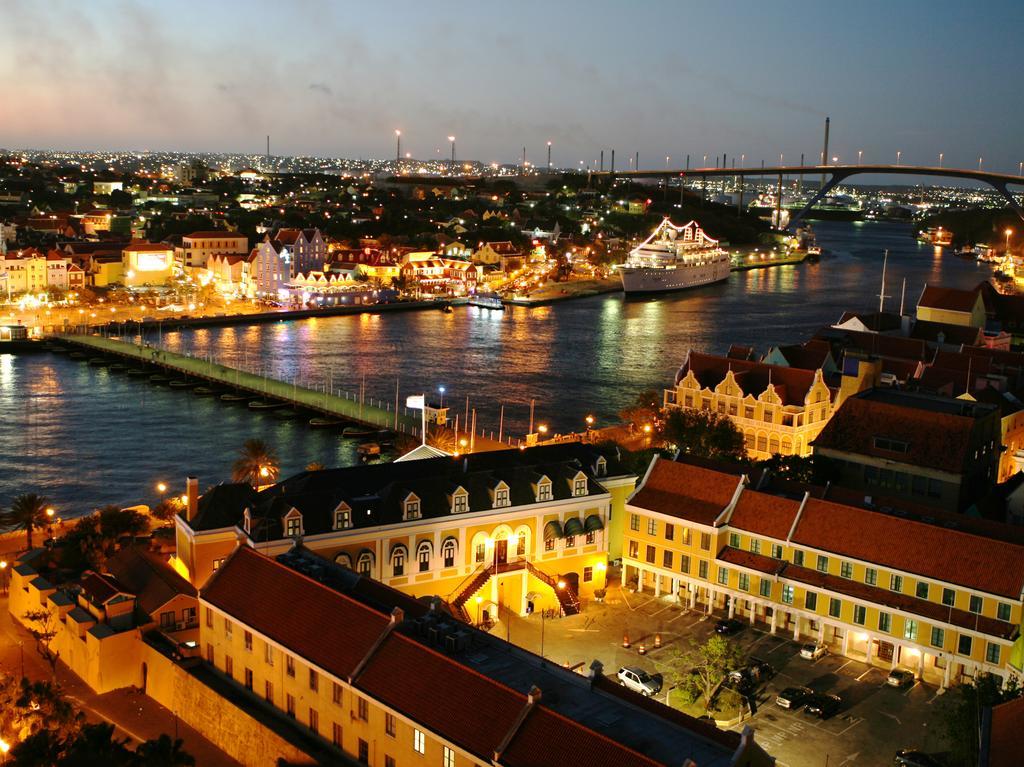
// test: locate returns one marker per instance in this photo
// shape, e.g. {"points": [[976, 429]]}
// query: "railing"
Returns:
{"points": [[465, 583]]}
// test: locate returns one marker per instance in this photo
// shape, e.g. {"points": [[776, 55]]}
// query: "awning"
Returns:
{"points": [[552, 530], [573, 527], [592, 523]]}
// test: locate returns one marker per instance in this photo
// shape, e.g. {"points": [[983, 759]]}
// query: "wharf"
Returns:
{"points": [[325, 403]]}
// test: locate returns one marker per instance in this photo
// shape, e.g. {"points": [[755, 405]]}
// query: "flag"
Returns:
{"points": [[416, 402]]}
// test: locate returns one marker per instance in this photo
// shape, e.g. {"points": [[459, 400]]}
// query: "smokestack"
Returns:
{"points": [[191, 497], [636, 162], [268, 147], [602, 161], [824, 153], [613, 161]]}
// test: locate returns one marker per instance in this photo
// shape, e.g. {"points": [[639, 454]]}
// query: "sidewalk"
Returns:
{"points": [[134, 715]]}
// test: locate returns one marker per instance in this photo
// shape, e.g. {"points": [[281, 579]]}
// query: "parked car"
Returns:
{"points": [[740, 681], [728, 626], [638, 680], [760, 669], [899, 677], [822, 705], [813, 651], [910, 758], [793, 697]]}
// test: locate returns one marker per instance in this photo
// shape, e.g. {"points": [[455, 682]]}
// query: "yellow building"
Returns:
{"points": [[891, 591], [147, 263], [779, 410], [23, 271], [523, 529], [389, 681], [951, 306]]}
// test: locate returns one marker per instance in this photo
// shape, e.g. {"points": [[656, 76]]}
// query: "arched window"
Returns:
{"points": [[522, 541], [365, 564], [343, 559], [448, 549], [479, 548], [773, 444], [423, 553], [398, 555], [762, 442], [787, 446]]}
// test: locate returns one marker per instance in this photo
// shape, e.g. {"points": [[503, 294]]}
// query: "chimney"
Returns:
{"points": [[397, 616], [533, 698], [191, 497]]}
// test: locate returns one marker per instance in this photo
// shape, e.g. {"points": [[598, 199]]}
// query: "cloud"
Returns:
{"points": [[321, 88]]}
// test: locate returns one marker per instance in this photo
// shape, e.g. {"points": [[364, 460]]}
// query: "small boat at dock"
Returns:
{"points": [[158, 379], [118, 367], [182, 384], [368, 450], [232, 397], [487, 301], [323, 423], [204, 391], [262, 404], [355, 432], [136, 372], [99, 362], [78, 355]]}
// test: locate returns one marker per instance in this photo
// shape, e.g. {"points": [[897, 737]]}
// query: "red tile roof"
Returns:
{"points": [[935, 440], [328, 629], [1005, 734], [751, 561], [949, 299], [954, 556], [222, 234], [688, 492], [791, 384], [764, 514]]}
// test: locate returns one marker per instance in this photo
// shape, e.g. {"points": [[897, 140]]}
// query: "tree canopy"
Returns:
{"points": [[705, 434]]}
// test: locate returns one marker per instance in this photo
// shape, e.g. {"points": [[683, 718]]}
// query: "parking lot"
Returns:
{"points": [[873, 720]]}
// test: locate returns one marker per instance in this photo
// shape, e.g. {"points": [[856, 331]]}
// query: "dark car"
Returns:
{"points": [[740, 681], [760, 669], [910, 758], [728, 626], [822, 705], [793, 697]]}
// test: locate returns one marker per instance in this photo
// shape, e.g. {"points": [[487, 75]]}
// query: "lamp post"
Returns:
{"points": [[3, 575], [4, 748], [441, 389], [479, 599], [941, 155], [979, 163], [452, 140], [899, 154], [49, 522], [860, 154], [398, 146], [549, 157]]}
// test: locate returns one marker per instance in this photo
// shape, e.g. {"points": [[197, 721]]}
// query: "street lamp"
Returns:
{"points": [[590, 421], [860, 154], [161, 487], [3, 574], [979, 163], [441, 389], [479, 599], [4, 748], [941, 155], [899, 154], [549, 157], [398, 146]]}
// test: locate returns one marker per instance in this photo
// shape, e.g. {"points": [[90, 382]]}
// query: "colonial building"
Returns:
{"points": [[943, 602], [505, 255], [524, 529], [445, 276], [147, 264], [413, 686], [270, 270], [931, 450], [196, 248], [779, 409], [309, 251]]}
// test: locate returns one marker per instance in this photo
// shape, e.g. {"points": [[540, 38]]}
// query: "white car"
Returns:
{"points": [[813, 651], [638, 680]]}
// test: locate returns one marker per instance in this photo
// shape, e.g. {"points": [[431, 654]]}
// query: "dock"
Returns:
{"points": [[373, 413]]}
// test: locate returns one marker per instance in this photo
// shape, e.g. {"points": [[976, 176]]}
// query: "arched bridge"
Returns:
{"points": [[836, 175]]}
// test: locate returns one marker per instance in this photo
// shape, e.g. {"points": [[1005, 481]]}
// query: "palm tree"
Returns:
{"points": [[27, 513], [256, 463], [164, 752]]}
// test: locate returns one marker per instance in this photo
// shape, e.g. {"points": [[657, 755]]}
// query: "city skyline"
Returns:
{"points": [[145, 78]]}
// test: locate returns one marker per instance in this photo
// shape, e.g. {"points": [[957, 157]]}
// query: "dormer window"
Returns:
{"points": [[342, 516], [601, 467], [412, 507], [501, 496], [544, 490], [293, 524], [579, 484], [460, 501]]}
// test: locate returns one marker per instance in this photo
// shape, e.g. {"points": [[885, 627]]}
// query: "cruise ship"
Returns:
{"points": [[674, 258]]}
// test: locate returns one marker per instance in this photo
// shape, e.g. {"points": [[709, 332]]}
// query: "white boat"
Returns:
{"points": [[674, 258]]}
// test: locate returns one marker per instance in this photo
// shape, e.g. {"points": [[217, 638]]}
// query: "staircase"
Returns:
{"points": [[566, 596], [468, 588]]}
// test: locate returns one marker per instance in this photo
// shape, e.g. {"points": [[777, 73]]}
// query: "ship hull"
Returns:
{"points": [[636, 280]]}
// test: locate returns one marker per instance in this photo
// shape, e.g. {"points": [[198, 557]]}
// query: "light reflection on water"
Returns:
{"points": [[86, 436]]}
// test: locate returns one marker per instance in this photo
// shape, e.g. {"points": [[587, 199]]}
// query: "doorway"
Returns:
{"points": [[501, 551]]}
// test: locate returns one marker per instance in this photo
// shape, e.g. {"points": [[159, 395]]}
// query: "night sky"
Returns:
{"points": [[664, 78]]}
